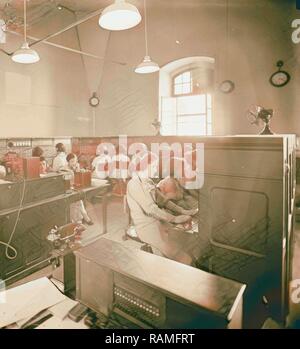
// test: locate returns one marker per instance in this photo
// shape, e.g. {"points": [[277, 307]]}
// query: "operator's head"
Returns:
{"points": [[10, 145], [72, 160], [102, 150], [37, 152], [60, 148], [169, 188]]}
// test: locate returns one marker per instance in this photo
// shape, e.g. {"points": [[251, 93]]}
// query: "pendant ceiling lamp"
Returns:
{"points": [[119, 16], [147, 66], [25, 54]]}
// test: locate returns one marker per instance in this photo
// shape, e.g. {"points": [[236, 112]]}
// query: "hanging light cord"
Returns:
{"points": [[101, 76], [146, 34], [8, 246], [25, 22], [227, 35]]}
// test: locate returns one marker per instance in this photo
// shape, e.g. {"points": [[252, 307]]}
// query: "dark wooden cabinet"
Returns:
{"points": [[246, 210], [154, 292], [249, 187], [27, 224], [29, 227], [34, 190]]}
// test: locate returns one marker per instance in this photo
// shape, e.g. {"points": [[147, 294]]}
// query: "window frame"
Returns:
{"points": [[174, 77], [208, 124]]}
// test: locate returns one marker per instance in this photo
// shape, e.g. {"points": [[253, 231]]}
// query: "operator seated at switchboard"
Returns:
{"points": [[154, 225], [12, 162], [39, 152], [60, 161], [170, 195], [78, 210], [2, 172], [121, 164], [101, 163]]}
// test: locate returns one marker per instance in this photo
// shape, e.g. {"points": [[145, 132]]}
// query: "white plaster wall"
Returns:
{"points": [[259, 36], [49, 98]]}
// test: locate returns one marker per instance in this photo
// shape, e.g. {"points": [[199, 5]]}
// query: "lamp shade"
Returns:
{"points": [[25, 55], [147, 66], [120, 16]]}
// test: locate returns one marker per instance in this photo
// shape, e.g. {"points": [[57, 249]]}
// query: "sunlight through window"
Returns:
{"points": [[186, 113]]}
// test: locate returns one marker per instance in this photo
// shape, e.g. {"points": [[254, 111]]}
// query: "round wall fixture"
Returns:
{"points": [[227, 86], [94, 100], [280, 78]]}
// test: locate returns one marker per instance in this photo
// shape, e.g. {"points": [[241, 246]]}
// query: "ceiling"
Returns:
{"points": [[91, 5], [12, 10]]}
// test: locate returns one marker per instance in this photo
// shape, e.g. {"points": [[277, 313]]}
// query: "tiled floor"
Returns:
{"points": [[117, 222]]}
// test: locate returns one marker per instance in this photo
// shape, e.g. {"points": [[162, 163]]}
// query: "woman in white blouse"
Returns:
{"points": [[153, 224], [60, 161], [78, 211], [101, 163]]}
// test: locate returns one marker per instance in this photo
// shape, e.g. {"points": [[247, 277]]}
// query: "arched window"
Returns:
{"points": [[186, 105], [183, 84]]}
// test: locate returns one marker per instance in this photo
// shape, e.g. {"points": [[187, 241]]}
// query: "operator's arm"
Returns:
{"points": [[170, 205], [163, 202], [142, 192]]}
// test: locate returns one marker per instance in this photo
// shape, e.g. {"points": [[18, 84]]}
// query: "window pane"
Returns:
{"points": [[168, 129], [184, 130], [168, 117], [186, 115], [209, 101], [178, 89], [190, 119], [192, 105], [186, 77], [191, 127], [178, 79], [209, 115], [186, 88], [209, 129], [168, 104]]}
